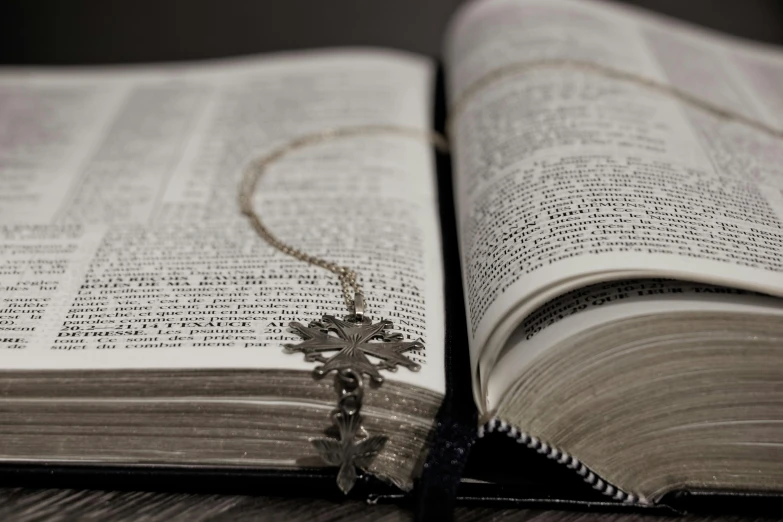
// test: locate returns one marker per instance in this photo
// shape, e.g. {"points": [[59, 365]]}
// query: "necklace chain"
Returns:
{"points": [[348, 277], [519, 68]]}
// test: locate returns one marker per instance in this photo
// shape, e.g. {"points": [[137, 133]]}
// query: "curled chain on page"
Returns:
{"points": [[348, 277], [363, 348]]}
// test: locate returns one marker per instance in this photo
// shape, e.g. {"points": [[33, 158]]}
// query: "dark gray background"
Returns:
{"points": [[106, 31]]}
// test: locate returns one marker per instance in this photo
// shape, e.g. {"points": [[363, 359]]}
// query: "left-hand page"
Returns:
{"points": [[121, 240]]}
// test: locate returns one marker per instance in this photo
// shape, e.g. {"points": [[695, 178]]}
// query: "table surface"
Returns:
{"points": [[47, 504]]}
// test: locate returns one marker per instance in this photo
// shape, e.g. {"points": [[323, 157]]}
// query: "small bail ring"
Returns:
{"points": [[358, 306]]}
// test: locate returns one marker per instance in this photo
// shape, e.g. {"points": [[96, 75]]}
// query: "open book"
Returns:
{"points": [[621, 253]]}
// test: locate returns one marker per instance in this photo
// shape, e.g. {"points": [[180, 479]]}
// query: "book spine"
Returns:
{"points": [[561, 457]]}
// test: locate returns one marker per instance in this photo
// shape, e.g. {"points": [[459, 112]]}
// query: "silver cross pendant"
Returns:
{"points": [[354, 340]]}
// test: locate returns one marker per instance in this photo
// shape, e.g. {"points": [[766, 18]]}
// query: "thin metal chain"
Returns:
{"points": [[518, 68], [349, 278]]}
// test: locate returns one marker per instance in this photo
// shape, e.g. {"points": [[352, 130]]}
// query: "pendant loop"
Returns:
{"points": [[358, 306]]}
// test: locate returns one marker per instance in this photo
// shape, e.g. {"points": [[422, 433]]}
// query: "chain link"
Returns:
{"points": [[348, 277]]}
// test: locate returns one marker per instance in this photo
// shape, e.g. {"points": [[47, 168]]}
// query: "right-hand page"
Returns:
{"points": [[574, 163]]}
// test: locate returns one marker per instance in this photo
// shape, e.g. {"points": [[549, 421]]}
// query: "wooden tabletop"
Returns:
{"points": [[65, 505]]}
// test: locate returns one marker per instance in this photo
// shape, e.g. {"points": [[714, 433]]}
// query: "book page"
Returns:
{"points": [[565, 177], [121, 240]]}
